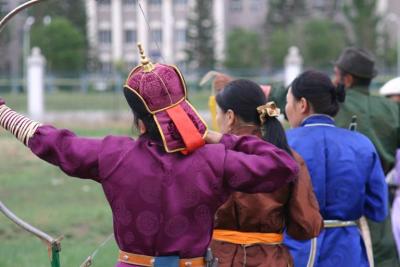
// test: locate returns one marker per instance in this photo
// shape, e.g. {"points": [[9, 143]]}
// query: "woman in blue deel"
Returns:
{"points": [[345, 171]]}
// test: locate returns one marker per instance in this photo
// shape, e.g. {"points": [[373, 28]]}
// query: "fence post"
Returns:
{"points": [[293, 65], [35, 84]]}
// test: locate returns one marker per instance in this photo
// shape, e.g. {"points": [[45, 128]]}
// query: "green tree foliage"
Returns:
{"points": [[282, 13], [200, 41], [278, 46], [281, 19], [362, 16], [319, 40], [73, 10], [323, 41], [243, 50], [62, 44]]}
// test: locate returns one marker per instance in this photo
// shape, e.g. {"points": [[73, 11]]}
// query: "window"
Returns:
{"points": [[319, 4], [104, 2], [129, 64], [105, 36], [236, 6], [154, 2], [129, 2], [156, 36], [255, 5], [180, 2], [130, 36], [155, 54], [180, 36], [106, 67]]}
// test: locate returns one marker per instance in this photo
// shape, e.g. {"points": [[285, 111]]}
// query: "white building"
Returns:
{"points": [[115, 26]]}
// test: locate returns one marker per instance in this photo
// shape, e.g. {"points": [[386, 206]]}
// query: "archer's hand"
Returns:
{"points": [[2, 101], [213, 137]]}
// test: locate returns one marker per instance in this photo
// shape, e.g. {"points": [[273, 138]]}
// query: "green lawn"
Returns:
{"points": [[64, 101], [42, 195]]}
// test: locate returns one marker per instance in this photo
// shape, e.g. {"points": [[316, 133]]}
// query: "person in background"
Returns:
{"points": [[249, 227], [345, 170], [164, 187], [391, 90], [377, 118], [219, 80]]}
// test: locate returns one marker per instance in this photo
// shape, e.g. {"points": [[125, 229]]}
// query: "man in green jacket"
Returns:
{"points": [[379, 119]]}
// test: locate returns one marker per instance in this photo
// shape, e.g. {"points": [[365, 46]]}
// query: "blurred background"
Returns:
{"points": [[88, 47]]}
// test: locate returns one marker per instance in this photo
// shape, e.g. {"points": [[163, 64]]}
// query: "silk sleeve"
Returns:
{"points": [[376, 192], [252, 165], [74, 155], [304, 220]]}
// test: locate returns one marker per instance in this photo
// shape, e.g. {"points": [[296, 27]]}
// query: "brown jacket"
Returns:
{"points": [[293, 207]]}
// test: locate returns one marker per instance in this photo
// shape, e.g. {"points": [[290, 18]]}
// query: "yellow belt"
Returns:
{"points": [[144, 260], [247, 238]]}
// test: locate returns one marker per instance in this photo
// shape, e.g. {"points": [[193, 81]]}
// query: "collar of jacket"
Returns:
{"points": [[318, 120]]}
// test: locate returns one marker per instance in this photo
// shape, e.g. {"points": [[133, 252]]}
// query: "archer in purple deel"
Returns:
{"points": [[165, 186]]}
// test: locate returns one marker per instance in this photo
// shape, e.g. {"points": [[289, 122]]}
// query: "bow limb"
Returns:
{"points": [[54, 245], [15, 11]]}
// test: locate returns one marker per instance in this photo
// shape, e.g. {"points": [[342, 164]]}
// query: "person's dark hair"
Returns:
{"points": [[357, 81], [140, 112], [319, 91], [243, 97]]}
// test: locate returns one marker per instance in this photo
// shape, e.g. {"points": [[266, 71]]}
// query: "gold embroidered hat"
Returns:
{"points": [[163, 91]]}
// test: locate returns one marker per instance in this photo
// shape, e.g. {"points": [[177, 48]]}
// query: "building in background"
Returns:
{"points": [[390, 12], [115, 26]]}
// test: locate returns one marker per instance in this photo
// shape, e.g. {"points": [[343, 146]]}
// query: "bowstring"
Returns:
{"points": [[149, 30], [89, 261]]}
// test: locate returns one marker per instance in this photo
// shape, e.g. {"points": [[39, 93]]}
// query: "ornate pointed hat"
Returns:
{"points": [[163, 91]]}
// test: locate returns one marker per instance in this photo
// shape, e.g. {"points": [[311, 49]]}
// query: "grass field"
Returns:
{"points": [[43, 196], [108, 101]]}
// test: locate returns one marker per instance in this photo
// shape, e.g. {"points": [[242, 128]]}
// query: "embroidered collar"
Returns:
{"points": [[318, 120]]}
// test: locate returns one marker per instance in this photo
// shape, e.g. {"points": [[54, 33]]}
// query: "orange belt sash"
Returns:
{"points": [[247, 238], [144, 260]]}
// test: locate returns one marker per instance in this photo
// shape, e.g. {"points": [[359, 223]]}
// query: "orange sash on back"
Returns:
{"points": [[247, 238]]}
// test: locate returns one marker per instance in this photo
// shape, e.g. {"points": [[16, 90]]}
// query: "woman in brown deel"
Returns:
{"points": [[249, 227]]}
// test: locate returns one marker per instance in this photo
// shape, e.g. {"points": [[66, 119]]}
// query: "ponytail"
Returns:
{"points": [[272, 131]]}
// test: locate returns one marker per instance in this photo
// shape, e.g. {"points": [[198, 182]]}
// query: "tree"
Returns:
{"points": [[362, 16], [243, 50], [319, 41], [62, 44], [323, 41], [281, 19], [283, 13], [200, 41], [279, 43], [73, 10]]}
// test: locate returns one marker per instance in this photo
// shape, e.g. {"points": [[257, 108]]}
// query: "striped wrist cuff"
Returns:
{"points": [[19, 125]]}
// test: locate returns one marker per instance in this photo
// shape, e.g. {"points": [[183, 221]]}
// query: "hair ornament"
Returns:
{"points": [[268, 110]]}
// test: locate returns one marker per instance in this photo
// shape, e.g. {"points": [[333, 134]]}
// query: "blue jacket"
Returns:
{"points": [[348, 182]]}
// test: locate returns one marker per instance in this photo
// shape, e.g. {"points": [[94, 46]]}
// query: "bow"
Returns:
{"points": [[53, 244]]}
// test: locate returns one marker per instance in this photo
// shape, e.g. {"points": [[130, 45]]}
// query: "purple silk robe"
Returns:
{"points": [[162, 203]]}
